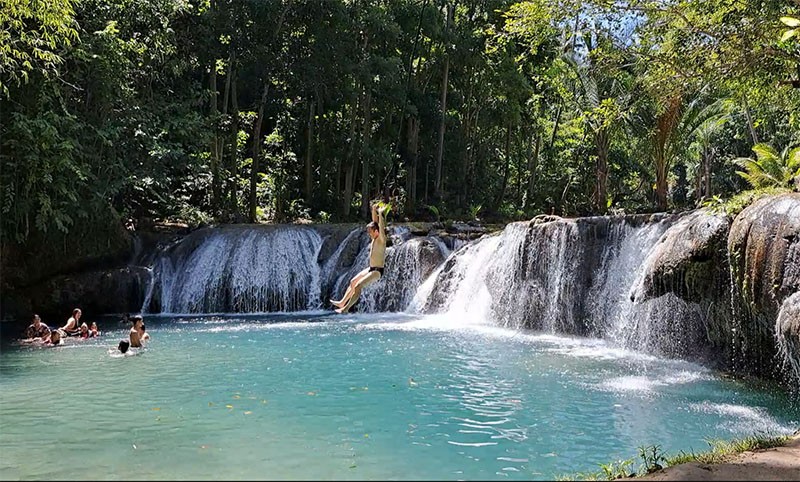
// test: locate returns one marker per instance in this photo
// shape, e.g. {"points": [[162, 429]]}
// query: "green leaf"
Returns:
{"points": [[788, 34], [791, 21]]}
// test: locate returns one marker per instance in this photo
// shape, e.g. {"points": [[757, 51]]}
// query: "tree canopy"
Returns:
{"points": [[272, 110]]}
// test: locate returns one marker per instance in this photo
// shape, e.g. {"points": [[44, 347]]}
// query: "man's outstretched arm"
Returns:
{"points": [[375, 212], [382, 222]]}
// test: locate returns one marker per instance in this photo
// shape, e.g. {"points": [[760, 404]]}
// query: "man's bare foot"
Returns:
{"points": [[340, 310], [337, 304]]}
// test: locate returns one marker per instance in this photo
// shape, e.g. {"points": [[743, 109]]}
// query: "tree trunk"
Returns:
{"points": [[413, 155], [215, 160], [470, 178], [707, 173], [498, 203], [661, 186], [533, 167], [309, 145], [256, 138], [602, 142], [233, 163], [222, 138], [665, 127], [465, 158], [555, 126], [365, 137], [440, 148], [349, 163], [749, 118]]}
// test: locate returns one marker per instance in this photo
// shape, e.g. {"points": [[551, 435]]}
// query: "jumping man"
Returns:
{"points": [[377, 256]]}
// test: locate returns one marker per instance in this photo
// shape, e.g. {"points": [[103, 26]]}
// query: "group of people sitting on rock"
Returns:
{"points": [[40, 333]]}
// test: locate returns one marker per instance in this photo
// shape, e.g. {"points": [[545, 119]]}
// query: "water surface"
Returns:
{"points": [[389, 396]]}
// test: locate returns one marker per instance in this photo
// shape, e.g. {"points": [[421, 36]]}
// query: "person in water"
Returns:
{"points": [[138, 334], [93, 331], [55, 338], [71, 328], [377, 257], [84, 333], [123, 346], [37, 332]]}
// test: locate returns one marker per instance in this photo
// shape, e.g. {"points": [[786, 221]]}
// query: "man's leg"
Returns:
{"points": [[350, 288], [367, 280]]}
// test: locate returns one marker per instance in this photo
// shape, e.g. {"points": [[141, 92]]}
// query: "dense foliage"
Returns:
{"points": [[271, 110]]}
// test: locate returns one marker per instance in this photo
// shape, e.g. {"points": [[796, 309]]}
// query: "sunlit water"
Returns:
{"points": [[312, 396]]}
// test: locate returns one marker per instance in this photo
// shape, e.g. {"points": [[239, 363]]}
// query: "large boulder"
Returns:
{"points": [[689, 259], [764, 251], [787, 331], [115, 290], [683, 291], [764, 246]]}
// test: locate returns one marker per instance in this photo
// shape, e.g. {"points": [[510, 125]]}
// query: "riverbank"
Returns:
{"points": [[777, 463]]}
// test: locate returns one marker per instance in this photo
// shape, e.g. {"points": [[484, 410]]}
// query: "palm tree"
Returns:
{"points": [[676, 126], [701, 123], [604, 100], [770, 168]]}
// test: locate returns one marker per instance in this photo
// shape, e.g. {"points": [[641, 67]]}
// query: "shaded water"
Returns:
{"points": [[389, 396]]}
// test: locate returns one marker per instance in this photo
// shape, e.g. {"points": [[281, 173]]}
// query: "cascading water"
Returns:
{"points": [[618, 275], [408, 264], [581, 277], [339, 260], [616, 278], [242, 271], [251, 270]]}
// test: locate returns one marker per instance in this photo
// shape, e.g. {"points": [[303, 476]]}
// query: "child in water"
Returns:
{"points": [[55, 338], [93, 331], [123, 346]]}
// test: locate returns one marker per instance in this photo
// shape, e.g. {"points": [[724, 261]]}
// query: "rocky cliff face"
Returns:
{"points": [[685, 280], [764, 251], [94, 243], [787, 330]]}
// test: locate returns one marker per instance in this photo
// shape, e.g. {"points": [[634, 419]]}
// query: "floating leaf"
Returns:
{"points": [[156, 408], [248, 412], [228, 406]]}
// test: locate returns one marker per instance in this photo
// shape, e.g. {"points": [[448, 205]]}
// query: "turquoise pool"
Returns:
{"points": [[389, 397]]}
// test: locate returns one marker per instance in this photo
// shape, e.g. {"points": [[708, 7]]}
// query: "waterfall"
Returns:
{"points": [[241, 271], [339, 260], [459, 286], [564, 276], [644, 282], [619, 274], [408, 264], [583, 276]]}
